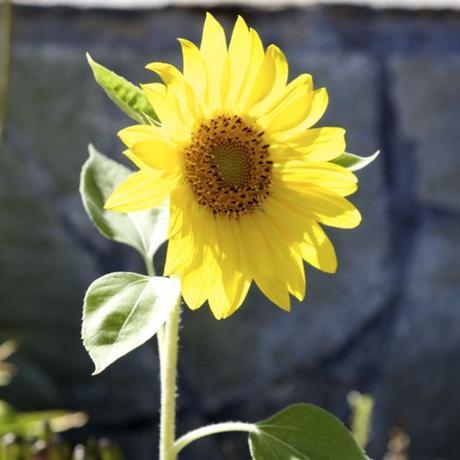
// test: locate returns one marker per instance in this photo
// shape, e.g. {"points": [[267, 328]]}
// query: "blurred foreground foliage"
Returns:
{"points": [[54, 447], [34, 435]]}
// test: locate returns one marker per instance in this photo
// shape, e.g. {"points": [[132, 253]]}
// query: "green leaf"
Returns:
{"points": [[143, 230], [303, 432], [122, 311], [128, 97], [355, 162]]}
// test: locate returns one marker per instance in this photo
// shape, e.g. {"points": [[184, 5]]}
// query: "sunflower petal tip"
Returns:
{"points": [[285, 304], [150, 66], [332, 267], [210, 17], [240, 21], [183, 41]]}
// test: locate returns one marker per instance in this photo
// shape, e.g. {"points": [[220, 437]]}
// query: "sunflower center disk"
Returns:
{"points": [[228, 167], [232, 163]]}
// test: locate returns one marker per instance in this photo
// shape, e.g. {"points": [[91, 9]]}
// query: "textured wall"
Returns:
{"points": [[387, 323]]}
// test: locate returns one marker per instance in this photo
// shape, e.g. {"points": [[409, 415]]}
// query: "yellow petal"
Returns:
{"points": [[303, 234], [179, 89], [185, 251], [321, 205], [167, 72], [264, 81], [225, 299], [291, 108], [235, 280], [316, 144], [214, 51], [235, 68], [179, 255], [193, 286], [272, 78], [284, 256], [307, 117], [318, 250], [199, 280], [181, 202], [237, 289], [342, 188], [266, 275], [137, 133], [195, 71], [142, 190], [136, 160], [256, 60], [166, 108], [302, 175], [157, 154]]}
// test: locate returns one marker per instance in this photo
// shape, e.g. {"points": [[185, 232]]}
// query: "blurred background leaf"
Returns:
{"points": [[361, 416]]}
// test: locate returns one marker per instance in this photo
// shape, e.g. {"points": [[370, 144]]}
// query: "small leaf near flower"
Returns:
{"points": [[143, 230], [122, 311], [303, 432], [127, 97], [354, 162]]}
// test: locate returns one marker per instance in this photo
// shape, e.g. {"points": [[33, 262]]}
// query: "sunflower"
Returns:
{"points": [[250, 182]]}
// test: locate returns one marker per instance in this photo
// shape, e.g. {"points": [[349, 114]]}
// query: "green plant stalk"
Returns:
{"points": [[211, 430], [168, 337], [160, 334], [168, 370]]}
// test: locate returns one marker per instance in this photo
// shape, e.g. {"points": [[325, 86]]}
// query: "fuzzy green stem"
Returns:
{"points": [[148, 260], [168, 347], [210, 430]]}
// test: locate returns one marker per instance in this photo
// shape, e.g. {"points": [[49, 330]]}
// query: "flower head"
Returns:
{"points": [[249, 181]]}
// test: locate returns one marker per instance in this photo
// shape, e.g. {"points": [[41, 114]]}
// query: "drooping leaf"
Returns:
{"points": [[355, 162], [143, 230], [128, 97], [122, 311], [303, 432]]}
